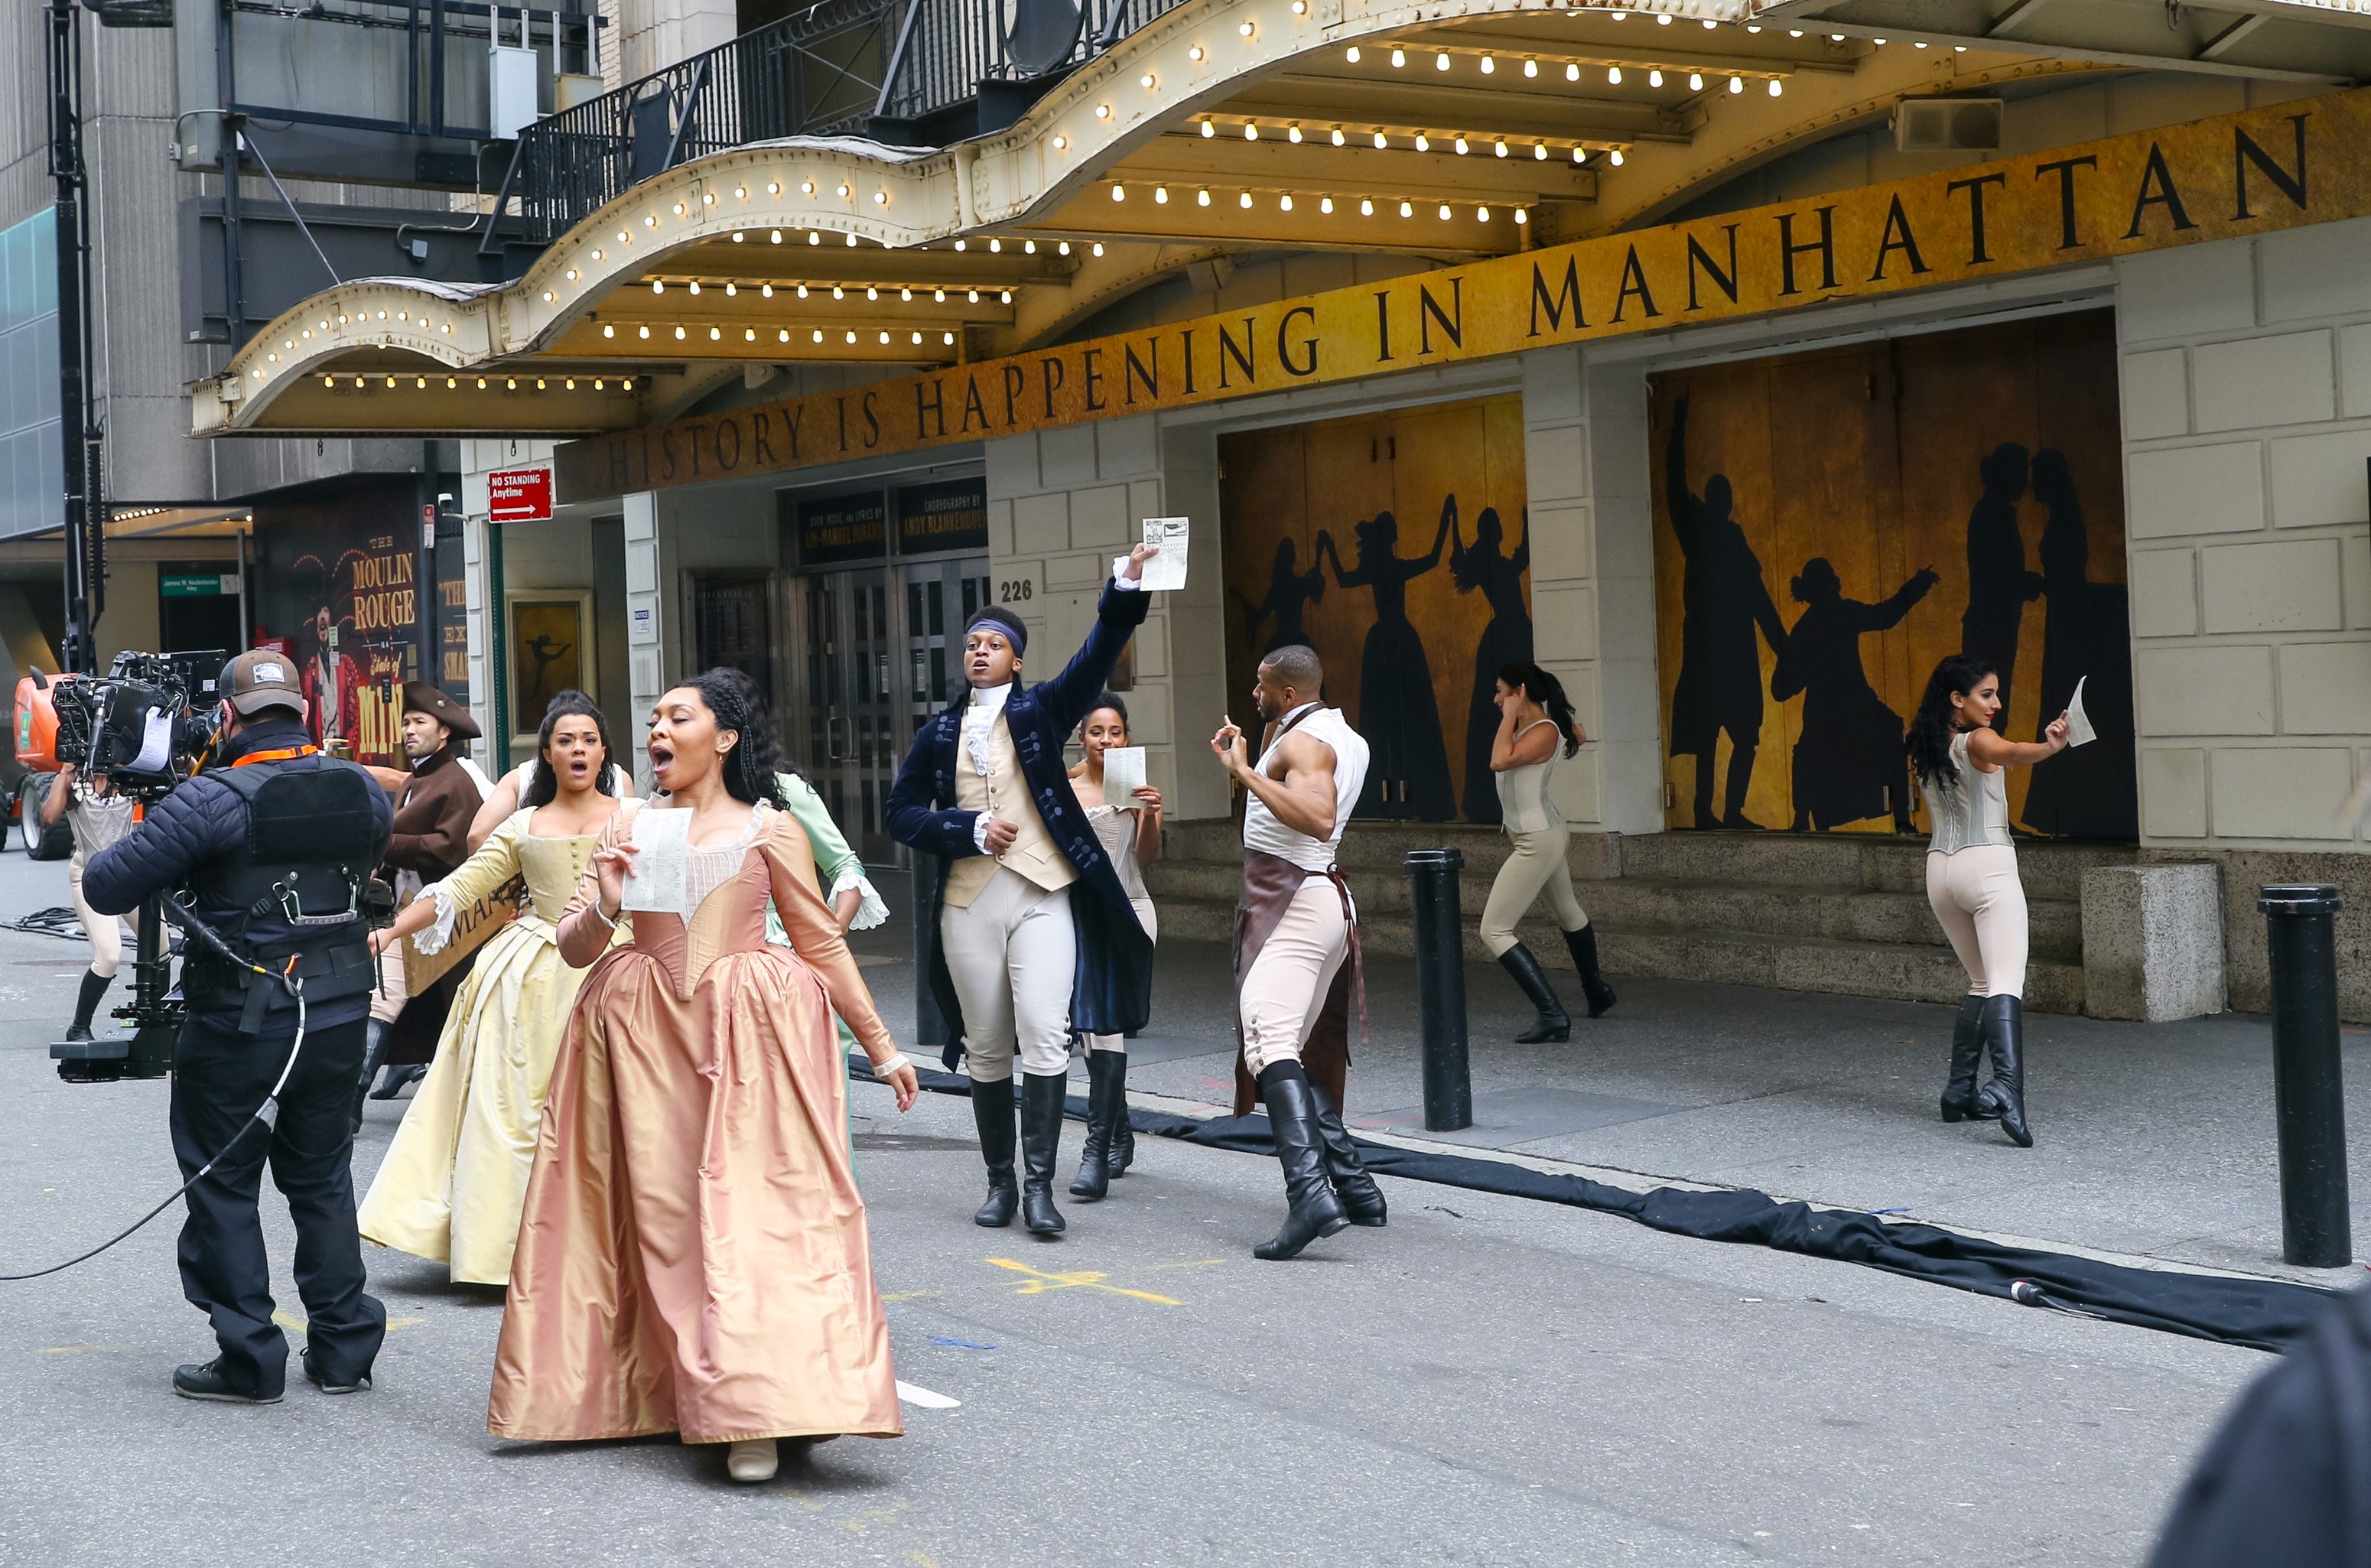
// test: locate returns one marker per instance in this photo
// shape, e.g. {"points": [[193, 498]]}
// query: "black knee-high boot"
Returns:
{"points": [[1552, 1022], [1041, 1145], [991, 1113], [1960, 1102], [94, 986], [2004, 1030], [1315, 1211], [1582, 946], [1362, 1199], [1106, 1106]]}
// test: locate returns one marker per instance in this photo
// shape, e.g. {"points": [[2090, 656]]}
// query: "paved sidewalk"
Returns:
{"points": [[2152, 1140]]}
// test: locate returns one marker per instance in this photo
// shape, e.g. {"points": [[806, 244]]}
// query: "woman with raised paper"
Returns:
{"points": [[1125, 812], [694, 1257]]}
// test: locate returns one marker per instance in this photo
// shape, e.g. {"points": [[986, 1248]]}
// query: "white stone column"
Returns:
{"points": [[645, 617]]}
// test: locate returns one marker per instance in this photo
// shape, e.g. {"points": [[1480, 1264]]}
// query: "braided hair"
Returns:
{"points": [[543, 784], [739, 703]]}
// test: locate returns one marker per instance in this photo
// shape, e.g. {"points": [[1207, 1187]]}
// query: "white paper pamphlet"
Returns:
{"points": [[1166, 573], [1123, 776], [2078, 724], [155, 743], [659, 881]]}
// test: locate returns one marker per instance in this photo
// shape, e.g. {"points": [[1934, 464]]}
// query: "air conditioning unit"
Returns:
{"points": [[1947, 126]]}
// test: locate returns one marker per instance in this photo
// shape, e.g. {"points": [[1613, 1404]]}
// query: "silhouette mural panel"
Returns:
{"points": [[1898, 500], [1397, 546]]}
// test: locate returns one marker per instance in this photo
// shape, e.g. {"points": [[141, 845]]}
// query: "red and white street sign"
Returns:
{"points": [[519, 495]]}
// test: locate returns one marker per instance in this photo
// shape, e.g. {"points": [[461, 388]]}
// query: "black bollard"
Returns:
{"points": [[2308, 1088], [930, 1024], [1441, 987]]}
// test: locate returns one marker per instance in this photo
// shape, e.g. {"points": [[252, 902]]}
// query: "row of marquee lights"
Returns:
{"points": [[750, 334], [509, 383], [1248, 28], [1366, 205]]}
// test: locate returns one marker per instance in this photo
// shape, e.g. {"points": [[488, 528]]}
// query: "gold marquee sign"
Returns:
{"points": [[2261, 170]]}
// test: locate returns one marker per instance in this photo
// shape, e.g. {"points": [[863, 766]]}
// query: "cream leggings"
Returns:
{"points": [[106, 932], [1976, 895], [1537, 861], [1289, 982], [1012, 954], [1144, 908]]}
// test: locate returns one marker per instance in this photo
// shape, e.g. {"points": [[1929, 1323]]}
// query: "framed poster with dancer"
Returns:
{"points": [[550, 649]]}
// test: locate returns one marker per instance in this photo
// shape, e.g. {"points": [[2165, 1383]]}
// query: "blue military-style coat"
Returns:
{"points": [[1111, 991]]}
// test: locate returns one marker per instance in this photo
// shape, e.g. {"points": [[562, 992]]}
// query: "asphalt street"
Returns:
{"points": [[1486, 1381]]}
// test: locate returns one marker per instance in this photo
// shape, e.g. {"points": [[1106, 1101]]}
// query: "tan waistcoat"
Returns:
{"points": [[1005, 794]]}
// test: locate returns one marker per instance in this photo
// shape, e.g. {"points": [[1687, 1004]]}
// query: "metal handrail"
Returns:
{"points": [[839, 67]]}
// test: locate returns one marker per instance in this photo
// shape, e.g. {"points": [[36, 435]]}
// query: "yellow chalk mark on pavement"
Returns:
{"points": [[920, 1561], [1041, 1282], [82, 1349], [913, 1295]]}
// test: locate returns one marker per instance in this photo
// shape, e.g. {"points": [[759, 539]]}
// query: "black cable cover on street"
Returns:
{"points": [[2260, 1314]]}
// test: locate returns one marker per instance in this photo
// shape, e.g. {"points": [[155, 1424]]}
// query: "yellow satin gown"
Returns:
{"points": [[455, 1179]]}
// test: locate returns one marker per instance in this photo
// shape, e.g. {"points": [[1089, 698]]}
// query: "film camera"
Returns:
{"points": [[146, 722], [147, 725]]}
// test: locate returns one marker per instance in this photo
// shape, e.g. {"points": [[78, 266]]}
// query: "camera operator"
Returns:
{"points": [[273, 843], [97, 817]]}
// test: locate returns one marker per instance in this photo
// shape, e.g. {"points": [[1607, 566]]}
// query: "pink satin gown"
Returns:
{"points": [[693, 1256]]}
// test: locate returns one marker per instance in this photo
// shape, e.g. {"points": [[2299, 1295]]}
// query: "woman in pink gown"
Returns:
{"points": [[693, 1255]]}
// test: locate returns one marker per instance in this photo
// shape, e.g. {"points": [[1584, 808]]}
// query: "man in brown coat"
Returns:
{"points": [[434, 806]]}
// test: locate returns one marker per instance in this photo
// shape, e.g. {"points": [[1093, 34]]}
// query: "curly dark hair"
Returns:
{"points": [[739, 703], [1548, 693], [1931, 731], [543, 788], [1106, 699]]}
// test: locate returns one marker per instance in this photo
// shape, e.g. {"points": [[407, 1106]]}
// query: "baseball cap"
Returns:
{"points": [[262, 678]]}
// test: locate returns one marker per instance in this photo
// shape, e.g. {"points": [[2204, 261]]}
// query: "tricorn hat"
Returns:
{"points": [[419, 697]]}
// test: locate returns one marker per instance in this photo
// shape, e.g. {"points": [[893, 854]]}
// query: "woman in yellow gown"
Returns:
{"points": [[694, 1255], [453, 1182]]}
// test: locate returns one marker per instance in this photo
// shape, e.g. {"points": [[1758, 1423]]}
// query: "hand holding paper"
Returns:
{"points": [[2078, 724], [661, 874], [1166, 573], [1123, 775]]}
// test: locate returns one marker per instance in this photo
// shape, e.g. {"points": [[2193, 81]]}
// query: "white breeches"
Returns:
{"points": [[1289, 982], [105, 931], [1536, 862], [1981, 904], [1012, 954]]}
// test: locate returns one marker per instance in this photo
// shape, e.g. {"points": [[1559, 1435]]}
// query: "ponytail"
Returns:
{"points": [[1548, 693]]}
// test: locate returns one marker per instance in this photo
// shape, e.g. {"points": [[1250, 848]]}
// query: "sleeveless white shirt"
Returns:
{"points": [[1523, 803], [1263, 831]]}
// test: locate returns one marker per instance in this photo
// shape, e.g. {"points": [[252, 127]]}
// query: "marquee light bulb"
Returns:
{"points": [[1399, 57], [1614, 76], [1209, 129], [1695, 81], [1461, 148], [1423, 143], [1337, 135], [1244, 200], [1366, 209], [1351, 54], [1325, 203], [1614, 157], [1737, 83], [1654, 78], [1441, 62], [1777, 88], [1490, 64], [1202, 199], [1530, 66], [1381, 140]]}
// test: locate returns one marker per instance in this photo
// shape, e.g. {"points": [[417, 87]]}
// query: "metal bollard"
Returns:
{"points": [[929, 1024], [2308, 1087], [1441, 987]]}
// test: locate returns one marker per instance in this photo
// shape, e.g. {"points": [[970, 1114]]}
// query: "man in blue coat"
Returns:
{"points": [[1030, 934]]}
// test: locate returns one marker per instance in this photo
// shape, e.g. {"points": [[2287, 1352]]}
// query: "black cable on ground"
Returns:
{"points": [[2260, 1314], [56, 921]]}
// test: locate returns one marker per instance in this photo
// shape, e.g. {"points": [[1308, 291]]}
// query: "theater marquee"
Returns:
{"points": [[2262, 169]]}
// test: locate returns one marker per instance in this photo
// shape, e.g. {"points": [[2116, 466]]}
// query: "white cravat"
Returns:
{"points": [[987, 706]]}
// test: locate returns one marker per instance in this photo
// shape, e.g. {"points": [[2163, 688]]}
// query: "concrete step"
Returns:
{"points": [[1788, 961], [1876, 862], [1627, 902]]}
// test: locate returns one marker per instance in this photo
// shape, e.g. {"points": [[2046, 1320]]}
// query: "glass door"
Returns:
{"points": [[881, 650], [852, 738]]}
